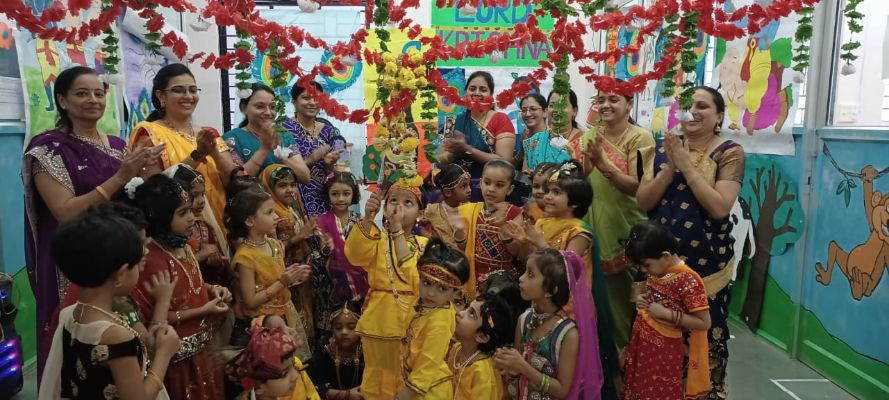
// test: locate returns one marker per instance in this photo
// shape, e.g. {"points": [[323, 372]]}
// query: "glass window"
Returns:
{"points": [[862, 97]]}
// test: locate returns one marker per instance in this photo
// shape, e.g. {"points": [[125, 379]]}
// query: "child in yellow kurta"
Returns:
{"points": [[486, 324], [390, 259], [443, 271], [259, 263]]}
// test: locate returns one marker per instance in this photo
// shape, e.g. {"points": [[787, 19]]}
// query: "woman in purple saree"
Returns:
{"points": [[66, 170]]}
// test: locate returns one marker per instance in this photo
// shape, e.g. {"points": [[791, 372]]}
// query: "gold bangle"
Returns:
{"points": [[178, 317], [101, 191], [153, 376]]}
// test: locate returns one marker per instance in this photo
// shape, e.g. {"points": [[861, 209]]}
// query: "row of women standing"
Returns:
{"points": [[687, 184], [70, 168]]}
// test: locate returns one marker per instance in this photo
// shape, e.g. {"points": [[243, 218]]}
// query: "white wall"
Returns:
{"points": [[860, 96], [209, 111]]}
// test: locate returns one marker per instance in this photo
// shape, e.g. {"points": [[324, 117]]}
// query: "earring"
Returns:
{"points": [[718, 128]]}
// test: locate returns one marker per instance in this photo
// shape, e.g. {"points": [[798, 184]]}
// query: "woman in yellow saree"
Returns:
{"points": [[175, 97]]}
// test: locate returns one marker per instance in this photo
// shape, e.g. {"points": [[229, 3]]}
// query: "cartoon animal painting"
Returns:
{"points": [[863, 266]]}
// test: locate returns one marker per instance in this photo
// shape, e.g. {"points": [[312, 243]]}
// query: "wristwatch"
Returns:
{"points": [[197, 156]]}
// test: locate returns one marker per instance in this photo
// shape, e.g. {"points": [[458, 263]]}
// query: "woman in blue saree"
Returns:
{"points": [[475, 137], [689, 185]]}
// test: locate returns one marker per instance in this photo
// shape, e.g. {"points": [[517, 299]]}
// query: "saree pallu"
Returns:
{"points": [[539, 149], [483, 138], [557, 233], [657, 351], [195, 374], [705, 242], [178, 148], [312, 192], [79, 165], [612, 213]]}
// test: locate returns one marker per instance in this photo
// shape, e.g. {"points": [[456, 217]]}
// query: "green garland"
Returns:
{"points": [[152, 39], [671, 27], [853, 18], [110, 45], [802, 37], [561, 87], [243, 75], [689, 59], [279, 81]]}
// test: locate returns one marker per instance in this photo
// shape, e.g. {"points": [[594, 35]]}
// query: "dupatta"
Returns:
{"points": [[588, 375]]}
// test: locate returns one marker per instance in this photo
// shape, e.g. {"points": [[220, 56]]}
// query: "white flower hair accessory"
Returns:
{"points": [[130, 187]]}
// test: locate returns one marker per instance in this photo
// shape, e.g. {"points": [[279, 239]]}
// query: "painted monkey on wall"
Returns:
{"points": [[864, 265]]}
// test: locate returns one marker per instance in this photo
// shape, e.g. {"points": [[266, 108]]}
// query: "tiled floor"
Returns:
{"points": [[757, 370]]}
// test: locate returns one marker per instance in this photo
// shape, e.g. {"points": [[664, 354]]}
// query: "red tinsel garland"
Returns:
{"points": [[566, 39]]}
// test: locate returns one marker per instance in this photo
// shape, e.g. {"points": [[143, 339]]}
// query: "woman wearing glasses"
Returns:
{"points": [[255, 141], [175, 97], [546, 146]]}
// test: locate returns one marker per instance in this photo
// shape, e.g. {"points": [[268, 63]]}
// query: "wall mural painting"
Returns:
{"points": [[753, 73], [864, 264], [778, 220]]}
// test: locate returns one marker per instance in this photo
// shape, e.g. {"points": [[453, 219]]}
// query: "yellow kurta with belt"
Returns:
{"points": [[478, 380], [424, 365], [388, 307]]}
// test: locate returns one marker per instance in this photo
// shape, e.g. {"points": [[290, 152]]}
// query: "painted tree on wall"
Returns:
{"points": [[778, 221]]}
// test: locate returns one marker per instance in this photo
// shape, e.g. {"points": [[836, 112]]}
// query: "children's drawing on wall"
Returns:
{"points": [[753, 73], [139, 73], [778, 222], [864, 264]]}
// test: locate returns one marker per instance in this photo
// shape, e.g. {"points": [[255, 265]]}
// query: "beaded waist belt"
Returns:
{"points": [[193, 344]]}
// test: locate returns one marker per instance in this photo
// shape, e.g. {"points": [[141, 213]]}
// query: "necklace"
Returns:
{"points": [[334, 351], [620, 137], [344, 225], [95, 141], [460, 367], [254, 243], [116, 319], [390, 269], [488, 215], [538, 319], [193, 287], [702, 152], [309, 132], [187, 133]]}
